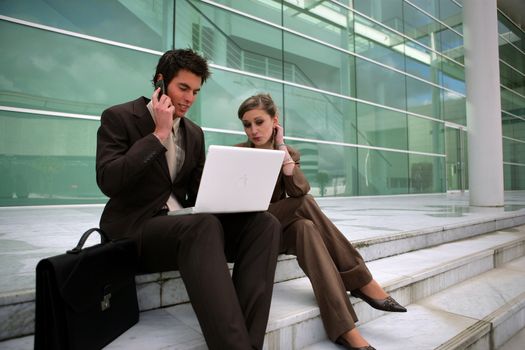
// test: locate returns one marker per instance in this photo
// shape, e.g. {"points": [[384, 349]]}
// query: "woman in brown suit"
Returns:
{"points": [[329, 260]]}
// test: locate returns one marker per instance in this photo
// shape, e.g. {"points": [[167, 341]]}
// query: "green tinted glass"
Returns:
{"points": [[381, 127], [517, 126], [426, 174], [423, 98], [454, 108], [511, 78], [86, 78], [514, 176], [222, 37], [376, 42], [380, 85], [319, 116], [324, 20], [425, 135], [390, 13], [330, 169], [269, 10], [512, 56], [222, 94], [452, 76], [382, 172], [60, 170], [512, 102], [312, 64], [513, 151], [140, 23]]}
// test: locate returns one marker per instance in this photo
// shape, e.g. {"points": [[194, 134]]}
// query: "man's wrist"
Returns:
{"points": [[160, 137], [279, 145]]}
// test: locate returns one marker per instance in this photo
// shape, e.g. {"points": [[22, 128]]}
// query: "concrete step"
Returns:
{"points": [[294, 318], [484, 312], [167, 289]]}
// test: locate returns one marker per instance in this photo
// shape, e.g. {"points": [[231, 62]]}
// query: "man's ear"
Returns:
{"points": [[160, 77]]}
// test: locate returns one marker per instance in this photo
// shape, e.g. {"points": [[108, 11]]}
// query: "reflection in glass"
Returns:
{"points": [[382, 172], [221, 95], [514, 176], [380, 85], [147, 24], [425, 135], [381, 127], [86, 78], [330, 169], [318, 116], [426, 174], [47, 160], [318, 66]]}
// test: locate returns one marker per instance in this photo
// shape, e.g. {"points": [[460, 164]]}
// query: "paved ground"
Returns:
{"points": [[28, 234]]}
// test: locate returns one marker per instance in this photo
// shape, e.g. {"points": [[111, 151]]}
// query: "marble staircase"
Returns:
{"points": [[437, 272]]}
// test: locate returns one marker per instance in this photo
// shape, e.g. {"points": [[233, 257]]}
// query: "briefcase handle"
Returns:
{"points": [[103, 239]]}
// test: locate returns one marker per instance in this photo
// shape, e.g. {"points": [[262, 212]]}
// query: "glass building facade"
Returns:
{"points": [[371, 92]]}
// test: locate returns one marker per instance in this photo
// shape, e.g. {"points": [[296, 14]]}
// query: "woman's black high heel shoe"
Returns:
{"points": [[387, 304], [342, 341]]}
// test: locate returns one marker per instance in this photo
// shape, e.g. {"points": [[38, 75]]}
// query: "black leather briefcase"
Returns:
{"points": [[86, 297]]}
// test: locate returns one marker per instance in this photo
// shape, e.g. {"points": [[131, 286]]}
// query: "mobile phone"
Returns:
{"points": [[160, 84]]}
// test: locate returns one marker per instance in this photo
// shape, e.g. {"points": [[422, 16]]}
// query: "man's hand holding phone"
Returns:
{"points": [[164, 111]]}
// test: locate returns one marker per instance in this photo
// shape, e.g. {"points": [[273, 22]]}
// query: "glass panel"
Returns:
{"points": [[426, 174], [86, 78], [514, 177], [513, 151], [47, 160], [454, 161], [219, 138], [381, 127], [512, 79], [375, 42], [380, 85], [269, 10], [452, 76], [425, 135], [512, 56], [323, 20], [512, 102], [454, 108], [319, 116], [422, 62], [420, 27], [223, 94], [518, 127], [330, 169], [510, 32], [450, 44], [451, 14], [389, 12], [429, 6], [229, 39], [423, 98], [312, 64], [382, 172], [147, 24]]}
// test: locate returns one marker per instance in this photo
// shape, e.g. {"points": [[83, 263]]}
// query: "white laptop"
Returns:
{"points": [[236, 179]]}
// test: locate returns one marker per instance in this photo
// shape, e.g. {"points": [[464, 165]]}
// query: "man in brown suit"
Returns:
{"points": [[150, 160]]}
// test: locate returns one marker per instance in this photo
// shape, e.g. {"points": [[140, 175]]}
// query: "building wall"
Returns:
{"points": [[371, 92]]}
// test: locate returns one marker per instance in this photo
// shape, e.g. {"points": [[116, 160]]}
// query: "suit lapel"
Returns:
{"points": [[187, 145], [146, 125]]}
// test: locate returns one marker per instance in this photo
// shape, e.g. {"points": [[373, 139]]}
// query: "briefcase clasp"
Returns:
{"points": [[105, 303]]}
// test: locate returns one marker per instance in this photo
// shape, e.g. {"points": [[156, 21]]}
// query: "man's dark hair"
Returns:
{"points": [[173, 61]]}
